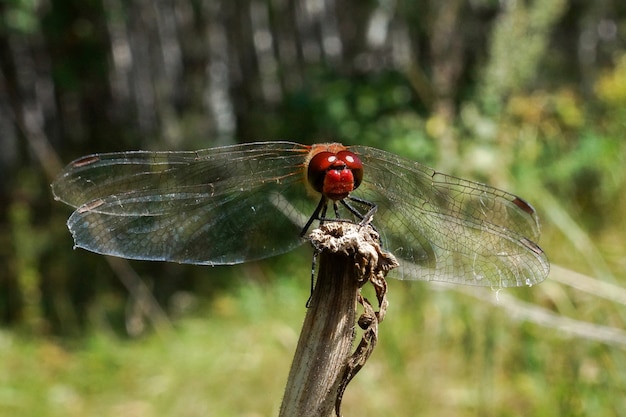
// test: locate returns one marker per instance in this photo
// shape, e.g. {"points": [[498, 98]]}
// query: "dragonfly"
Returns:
{"points": [[245, 202]]}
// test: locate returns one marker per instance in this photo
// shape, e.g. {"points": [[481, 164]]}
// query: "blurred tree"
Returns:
{"points": [[78, 77]]}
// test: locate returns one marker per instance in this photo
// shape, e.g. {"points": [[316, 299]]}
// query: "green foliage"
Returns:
{"points": [[518, 44], [378, 110], [440, 352], [20, 16], [523, 126]]}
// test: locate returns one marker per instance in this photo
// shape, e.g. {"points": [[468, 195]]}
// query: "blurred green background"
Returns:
{"points": [[526, 96]]}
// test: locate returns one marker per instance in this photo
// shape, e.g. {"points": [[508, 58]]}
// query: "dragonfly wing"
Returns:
{"points": [[222, 206], [100, 175], [448, 229]]}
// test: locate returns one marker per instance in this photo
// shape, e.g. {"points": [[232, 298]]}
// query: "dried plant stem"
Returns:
{"points": [[325, 340], [349, 257]]}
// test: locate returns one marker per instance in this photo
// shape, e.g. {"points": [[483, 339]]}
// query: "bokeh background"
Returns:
{"points": [[529, 96]]}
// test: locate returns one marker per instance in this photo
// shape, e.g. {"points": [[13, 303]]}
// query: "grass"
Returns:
{"points": [[441, 352]]}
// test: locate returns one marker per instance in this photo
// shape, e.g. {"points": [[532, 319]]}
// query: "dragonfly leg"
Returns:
{"points": [[313, 265], [365, 218], [321, 208]]}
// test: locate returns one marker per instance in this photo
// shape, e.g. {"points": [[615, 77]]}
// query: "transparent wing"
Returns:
{"points": [[447, 229], [217, 206], [237, 203]]}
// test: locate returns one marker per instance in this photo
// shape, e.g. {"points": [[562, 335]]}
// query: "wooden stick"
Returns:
{"points": [[349, 254]]}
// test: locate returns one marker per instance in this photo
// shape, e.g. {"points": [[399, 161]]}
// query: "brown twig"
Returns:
{"points": [[350, 256]]}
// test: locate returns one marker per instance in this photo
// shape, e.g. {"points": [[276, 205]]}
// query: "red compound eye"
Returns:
{"points": [[354, 163], [318, 165], [335, 175]]}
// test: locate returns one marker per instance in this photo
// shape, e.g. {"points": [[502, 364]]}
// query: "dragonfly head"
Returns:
{"points": [[335, 175]]}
